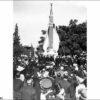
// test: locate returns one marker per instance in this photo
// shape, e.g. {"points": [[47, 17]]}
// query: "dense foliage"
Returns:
{"points": [[41, 42], [17, 47], [73, 38]]}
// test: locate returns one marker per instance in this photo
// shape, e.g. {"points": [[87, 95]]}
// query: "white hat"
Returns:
{"points": [[20, 68], [79, 79], [71, 74], [62, 68], [29, 81], [22, 77], [43, 69], [65, 73], [48, 67]]}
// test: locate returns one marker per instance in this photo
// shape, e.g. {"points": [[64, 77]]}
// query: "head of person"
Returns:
{"points": [[62, 68], [27, 76], [43, 90], [17, 75], [57, 88], [30, 81], [65, 74], [79, 79], [58, 75]]}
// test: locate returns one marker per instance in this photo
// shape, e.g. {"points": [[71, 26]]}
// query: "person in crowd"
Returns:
{"points": [[52, 73], [81, 89], [37, 87], [66, 85], [61, 94], [76, 66], [45, 74], [45, 93], [28, 92], [17, 85]]}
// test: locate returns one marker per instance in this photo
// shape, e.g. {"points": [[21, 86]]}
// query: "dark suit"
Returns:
{"points": [[68, 88], [28, 93], [17, 84]]}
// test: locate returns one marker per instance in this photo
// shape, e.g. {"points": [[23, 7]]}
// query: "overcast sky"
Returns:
{"points": [[33, 16]]}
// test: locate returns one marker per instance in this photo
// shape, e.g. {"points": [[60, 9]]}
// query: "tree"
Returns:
{"points": [[17, 46], [73, 38], [73, 22], [41, 42], [16, 37]]}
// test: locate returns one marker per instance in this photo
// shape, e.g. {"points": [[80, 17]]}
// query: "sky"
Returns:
{"points": [[33, 16]]}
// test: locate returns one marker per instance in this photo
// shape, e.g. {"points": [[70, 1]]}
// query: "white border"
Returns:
{"points": [[6, 31]]}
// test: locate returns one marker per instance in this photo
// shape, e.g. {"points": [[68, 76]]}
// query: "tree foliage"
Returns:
{"points": [[17, 46], [41, 42], [73, 38]]}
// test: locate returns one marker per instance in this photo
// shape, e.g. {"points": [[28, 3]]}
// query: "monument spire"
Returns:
{"points": [[50, 29], [51, 43], [51, 12], [51, 17]]}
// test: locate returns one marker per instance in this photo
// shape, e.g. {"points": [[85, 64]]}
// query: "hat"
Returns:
{"points": [[29, 81], [20, 68], [62, 68], [79, 79]]}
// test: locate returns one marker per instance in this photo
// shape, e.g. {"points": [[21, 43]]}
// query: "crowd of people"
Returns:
{"points": [[46, 77]]}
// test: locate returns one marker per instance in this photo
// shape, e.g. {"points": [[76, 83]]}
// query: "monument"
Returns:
{"points": [[51, 43]]}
